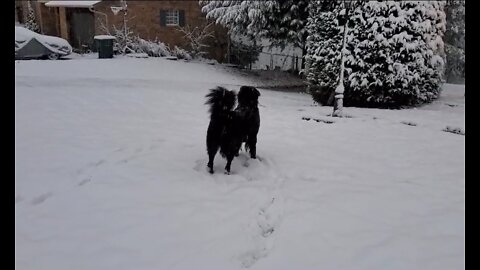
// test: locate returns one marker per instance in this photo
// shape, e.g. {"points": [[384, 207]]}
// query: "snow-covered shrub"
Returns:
{"points": [[124, 40], [181, 53], [124, 36], [151, 48], [394, 53], [196, 38], [158, 49]]}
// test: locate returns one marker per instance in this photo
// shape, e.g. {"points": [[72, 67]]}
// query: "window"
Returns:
{"points": [[172, 17]]}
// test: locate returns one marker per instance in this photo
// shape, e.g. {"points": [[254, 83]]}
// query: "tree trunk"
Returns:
{"points": [[304, 50]]}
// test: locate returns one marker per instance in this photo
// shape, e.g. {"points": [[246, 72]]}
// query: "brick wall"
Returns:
{"points": [[144, 20]]}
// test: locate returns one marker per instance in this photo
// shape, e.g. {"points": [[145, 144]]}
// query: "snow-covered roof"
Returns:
{"points": [[76, 4]]}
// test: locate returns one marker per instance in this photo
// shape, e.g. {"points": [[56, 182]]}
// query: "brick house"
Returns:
{"points": [[79, 21]]}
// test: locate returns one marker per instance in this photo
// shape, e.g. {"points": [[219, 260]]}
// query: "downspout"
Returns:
{"points": [[101, 13]]}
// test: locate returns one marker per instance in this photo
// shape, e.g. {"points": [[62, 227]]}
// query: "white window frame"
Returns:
{"points": [[172, 17]]}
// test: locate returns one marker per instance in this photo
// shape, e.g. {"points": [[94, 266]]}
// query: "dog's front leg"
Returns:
{"points": [[252, 145]]}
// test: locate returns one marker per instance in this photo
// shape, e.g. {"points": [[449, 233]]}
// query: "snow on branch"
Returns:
{"points": [[196, 36]]}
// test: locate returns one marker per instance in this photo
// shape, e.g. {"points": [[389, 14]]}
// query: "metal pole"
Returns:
{"points": [[338, 104], [271, 61], [124, 6], [229, 44], [106, 18]]}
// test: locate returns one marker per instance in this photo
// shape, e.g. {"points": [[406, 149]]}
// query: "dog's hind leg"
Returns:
{"points": [[237, 150], [211, 157], [229, 164]]}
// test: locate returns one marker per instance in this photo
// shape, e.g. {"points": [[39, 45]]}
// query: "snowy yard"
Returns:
{"points": [[110, 175]]}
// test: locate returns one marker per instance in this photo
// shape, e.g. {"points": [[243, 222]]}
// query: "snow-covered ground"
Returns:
{"points": [[110, 174]]}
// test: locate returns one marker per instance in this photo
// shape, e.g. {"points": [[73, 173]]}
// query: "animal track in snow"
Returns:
{"points": [[40, 199], [96, 164], [85, 181], [318, 120], [409, 123], [263, 228], [18, 199], [454, 130]]}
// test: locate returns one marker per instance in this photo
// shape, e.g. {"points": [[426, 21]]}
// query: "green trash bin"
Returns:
{"points": [[104, 46]]}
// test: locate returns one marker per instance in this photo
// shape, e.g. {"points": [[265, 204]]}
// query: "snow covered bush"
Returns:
{"points": [[158, 49], [124, 40], [151, 48], [394, 54], [181, 53]]}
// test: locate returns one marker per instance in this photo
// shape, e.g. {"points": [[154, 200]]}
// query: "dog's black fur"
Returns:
{"points": [[229, 128], [249, 117]]}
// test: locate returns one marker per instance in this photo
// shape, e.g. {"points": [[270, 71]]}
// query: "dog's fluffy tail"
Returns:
{"points": [[220, 100]]}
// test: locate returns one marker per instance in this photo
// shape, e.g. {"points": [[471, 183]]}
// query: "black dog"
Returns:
{"points": [[221, 103], [228, 128], [248, 117]]}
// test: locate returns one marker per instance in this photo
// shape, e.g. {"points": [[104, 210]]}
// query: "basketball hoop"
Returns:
{"points": [[116, 10]]}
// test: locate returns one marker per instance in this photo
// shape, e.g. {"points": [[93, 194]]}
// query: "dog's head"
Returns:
{"points": [[248, 96]]}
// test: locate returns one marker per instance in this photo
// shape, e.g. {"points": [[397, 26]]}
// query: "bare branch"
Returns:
{"points": [[196, 37]]}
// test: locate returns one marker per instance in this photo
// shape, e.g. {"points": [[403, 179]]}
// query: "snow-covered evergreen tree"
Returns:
{"points": [[286, 22], [455, 41], [394, 53], [323, 47], [243, 54], [238, 16], [281, 21], [31, 22]]}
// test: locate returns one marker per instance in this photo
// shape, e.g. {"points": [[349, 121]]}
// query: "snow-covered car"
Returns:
{"points": [[30, 45]]}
